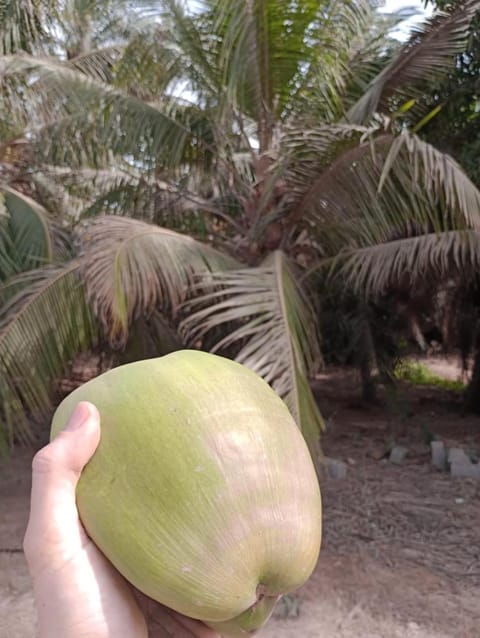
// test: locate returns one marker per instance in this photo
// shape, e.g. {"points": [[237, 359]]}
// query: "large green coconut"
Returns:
{"points": [[202, 491]]}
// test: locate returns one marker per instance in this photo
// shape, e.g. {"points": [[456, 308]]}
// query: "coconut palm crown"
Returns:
{"points": [[208, 161]]}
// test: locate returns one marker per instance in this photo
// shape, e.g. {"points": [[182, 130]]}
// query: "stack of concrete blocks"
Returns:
{"points": [[455, 460]]}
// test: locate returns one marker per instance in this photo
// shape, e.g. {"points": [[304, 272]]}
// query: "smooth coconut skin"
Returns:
{"points": [[202, 492]]}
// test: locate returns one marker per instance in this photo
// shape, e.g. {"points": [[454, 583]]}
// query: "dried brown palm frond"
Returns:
{"points": [[318, 165], [373, 269], [98, 63], [271, 324], [131, 267], [382, 189], [420, 165]]}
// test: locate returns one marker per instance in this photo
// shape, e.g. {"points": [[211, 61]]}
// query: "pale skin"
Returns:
{"points": [[78, 593]]}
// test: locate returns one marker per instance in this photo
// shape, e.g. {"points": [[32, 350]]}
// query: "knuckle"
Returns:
{"points": [[45, 460]]}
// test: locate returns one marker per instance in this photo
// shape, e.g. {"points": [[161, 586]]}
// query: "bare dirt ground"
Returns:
{"points": [[401, 548]]}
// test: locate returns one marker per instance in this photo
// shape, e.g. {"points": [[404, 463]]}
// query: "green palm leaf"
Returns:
{"points": [[131, 267], [271, 324], [23, 24], [41, 329], [370, 55], [25, 234], [190, 42], [55, 101], [430, 51], [272, 46], [261, 60]]}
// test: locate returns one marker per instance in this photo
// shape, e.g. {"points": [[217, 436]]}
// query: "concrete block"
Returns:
{"points": [[334, 468], [458, 455], [465, 470], [288, 607], [439, 454], [398, 454]]}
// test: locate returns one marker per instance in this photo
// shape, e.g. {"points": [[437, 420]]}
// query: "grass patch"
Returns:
{"points": [[417, 373]]}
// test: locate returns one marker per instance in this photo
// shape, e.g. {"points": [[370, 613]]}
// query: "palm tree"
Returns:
{"points": [[278, 136]]}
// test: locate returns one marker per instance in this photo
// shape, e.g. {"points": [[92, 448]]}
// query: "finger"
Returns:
{"points": [[163, 621], [173, 625], [56, 471], [195, 627]]}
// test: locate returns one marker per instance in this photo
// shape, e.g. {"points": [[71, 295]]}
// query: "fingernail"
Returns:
{"points": [[80, 416]]}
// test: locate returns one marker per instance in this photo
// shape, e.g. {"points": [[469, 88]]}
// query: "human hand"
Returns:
{"points": [[78, 593]]}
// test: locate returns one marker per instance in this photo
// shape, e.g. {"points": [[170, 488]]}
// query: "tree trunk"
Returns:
{"points": [[369, 389], [472, 393], [416, 331], [367, 361]]}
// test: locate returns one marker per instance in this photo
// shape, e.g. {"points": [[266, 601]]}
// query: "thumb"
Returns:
{"points": [[54, 527], [73, 447]]}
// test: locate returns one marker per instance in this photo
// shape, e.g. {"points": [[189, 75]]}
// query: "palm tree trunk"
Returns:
{"points": [[367, 360], [416, 331], [472, 393]]}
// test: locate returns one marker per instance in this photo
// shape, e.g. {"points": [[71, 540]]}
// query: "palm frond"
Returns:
{"points": [[66, 207], [313, 159], [419, 163], [383, 189], [369, 56], [25, 234], [272, 56], [373, 269], [430, 51], [125, 190], [131, 267], [99, 63], [322, 86], [191, 41], [41, 328], [23, 24], [61, 101], [83, 26], [271, 325], [120, 189]]}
